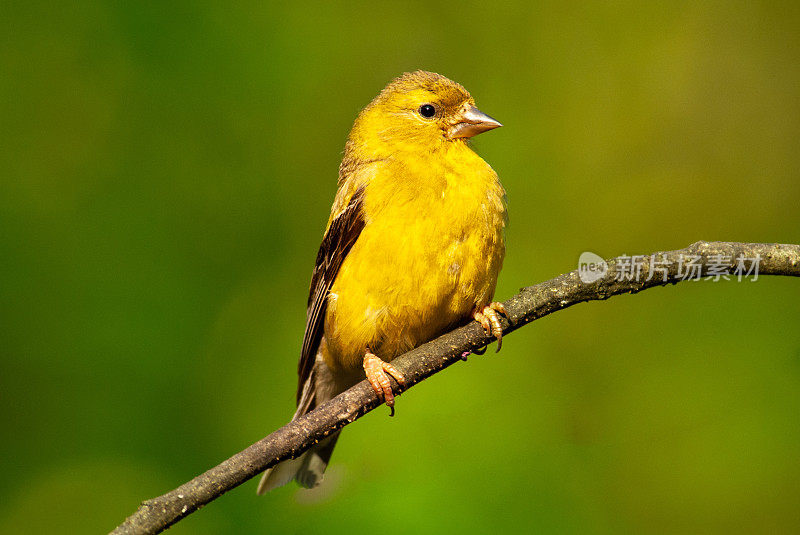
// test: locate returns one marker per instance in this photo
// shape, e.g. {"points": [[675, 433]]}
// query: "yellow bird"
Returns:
{"points": [[413, 248]]}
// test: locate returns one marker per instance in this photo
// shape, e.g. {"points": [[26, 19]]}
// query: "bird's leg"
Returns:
{"points": [[490, 321], [378, 372]]}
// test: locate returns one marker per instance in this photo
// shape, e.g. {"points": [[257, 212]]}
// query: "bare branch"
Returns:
{"points": [[670, 267]]}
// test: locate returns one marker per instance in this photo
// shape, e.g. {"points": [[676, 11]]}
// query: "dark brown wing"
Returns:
{"points": [[342, 234]]}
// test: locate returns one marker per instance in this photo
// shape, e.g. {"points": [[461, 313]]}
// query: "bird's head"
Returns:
{"points": [[418, 111]]}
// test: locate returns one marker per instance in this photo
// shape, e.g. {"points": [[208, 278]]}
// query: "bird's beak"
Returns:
{"points": [[472, 122]]}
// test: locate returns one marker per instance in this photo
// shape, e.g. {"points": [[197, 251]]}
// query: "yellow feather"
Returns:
{"points": [[433, 244]]}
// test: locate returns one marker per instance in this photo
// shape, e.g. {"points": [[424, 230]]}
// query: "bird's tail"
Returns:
{"points": [[308, 468]]}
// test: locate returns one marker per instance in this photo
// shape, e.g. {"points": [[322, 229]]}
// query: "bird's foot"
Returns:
{"points": [[490, 321], [378, 372]]}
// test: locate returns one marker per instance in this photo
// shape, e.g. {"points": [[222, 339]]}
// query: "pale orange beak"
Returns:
{"points": [[472, 122]]}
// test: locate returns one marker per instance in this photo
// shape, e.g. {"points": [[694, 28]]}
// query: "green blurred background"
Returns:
{"points": [[167, 169]]}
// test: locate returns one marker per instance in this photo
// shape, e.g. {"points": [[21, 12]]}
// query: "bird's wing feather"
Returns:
{"points": [[343, 231]]}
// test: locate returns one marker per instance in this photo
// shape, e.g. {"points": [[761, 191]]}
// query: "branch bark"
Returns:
{"points": [[534, 302]]}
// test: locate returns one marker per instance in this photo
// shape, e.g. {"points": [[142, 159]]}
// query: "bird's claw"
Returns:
{"points": [[489, 319], [378, 372]]}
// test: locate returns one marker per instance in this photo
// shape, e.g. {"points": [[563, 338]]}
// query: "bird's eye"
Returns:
{"points": [[427, 110]]}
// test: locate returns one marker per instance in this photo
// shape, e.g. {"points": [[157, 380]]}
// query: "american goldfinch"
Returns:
{"points": [[413, 248]]}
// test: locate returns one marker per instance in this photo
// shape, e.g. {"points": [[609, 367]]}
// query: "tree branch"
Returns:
{"points": [[157, 514]]}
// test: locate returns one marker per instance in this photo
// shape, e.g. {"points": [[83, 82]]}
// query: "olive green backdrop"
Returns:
{"points": [[166, 174]]}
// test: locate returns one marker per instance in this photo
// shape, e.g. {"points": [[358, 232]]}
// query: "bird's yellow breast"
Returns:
{"points": [[430, 252]]}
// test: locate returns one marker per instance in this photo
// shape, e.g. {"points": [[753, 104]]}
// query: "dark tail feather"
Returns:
{"points": [[308, 468]]}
